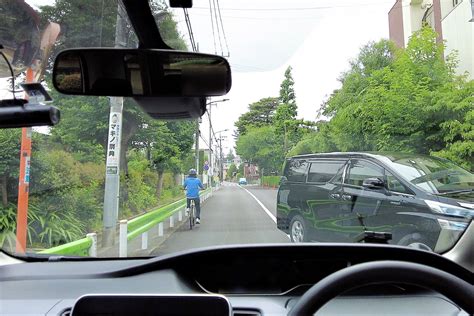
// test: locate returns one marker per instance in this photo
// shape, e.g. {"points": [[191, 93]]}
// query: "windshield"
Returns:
{"points": [[287, 156], [434, 175]]}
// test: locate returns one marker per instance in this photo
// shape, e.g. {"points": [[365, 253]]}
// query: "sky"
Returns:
{"points": [[317, 38]]}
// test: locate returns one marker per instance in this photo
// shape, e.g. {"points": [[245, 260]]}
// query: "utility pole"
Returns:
{"points": [[221, 166], [222, 159], [197, 146], [112, 174], [209, 171]]}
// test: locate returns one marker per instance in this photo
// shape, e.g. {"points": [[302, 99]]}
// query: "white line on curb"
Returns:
{"points": [[261, 204]]}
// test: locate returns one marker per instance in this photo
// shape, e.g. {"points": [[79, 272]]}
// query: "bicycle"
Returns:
{"points": [[192, 214]]}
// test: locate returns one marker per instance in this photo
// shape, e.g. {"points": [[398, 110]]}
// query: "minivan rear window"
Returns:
{"points": [[323, 171], [296, 170]]}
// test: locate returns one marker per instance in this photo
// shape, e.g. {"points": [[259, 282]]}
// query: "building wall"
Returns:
{"points": [[446, 7], [459, 35], [449, 20], [395, 22], [414, 14], [437, 16]]}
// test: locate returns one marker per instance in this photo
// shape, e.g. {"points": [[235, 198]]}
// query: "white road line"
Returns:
{"points": [[261, 204]]}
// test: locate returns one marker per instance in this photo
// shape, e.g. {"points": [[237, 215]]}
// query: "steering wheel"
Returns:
{"points": [[454, 288]]}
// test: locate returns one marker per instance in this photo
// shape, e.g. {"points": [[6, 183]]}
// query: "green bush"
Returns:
{"points": [[141, 186], [271, 181]]}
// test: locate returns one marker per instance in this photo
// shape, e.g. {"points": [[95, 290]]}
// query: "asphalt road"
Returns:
{"points": [[231, 216]]}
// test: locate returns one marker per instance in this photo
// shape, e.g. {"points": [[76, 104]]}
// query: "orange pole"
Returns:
{"points": [[24, 182]]}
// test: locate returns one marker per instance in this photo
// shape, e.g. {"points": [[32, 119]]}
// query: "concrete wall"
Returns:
{"points": [[459, 35]]}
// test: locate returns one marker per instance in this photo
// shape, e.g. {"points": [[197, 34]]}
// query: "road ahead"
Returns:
{"points": [[231, 216]]}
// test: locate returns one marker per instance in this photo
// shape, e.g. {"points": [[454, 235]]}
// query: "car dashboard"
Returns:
{"points": [[252, 280]]}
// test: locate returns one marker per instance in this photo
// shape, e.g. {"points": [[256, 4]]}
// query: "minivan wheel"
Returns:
{"points": [[298, 229], [419, 245], [416, 241]]}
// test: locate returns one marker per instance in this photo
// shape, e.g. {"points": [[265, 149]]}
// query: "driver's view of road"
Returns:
{"points": [[222, 157], [225, 221]]}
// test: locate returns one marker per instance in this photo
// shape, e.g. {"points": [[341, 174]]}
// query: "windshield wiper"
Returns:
{"points": [[456, 191]]}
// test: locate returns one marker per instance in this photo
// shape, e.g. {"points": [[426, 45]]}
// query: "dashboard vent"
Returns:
{"points": [[66, 312], [245, 312]]}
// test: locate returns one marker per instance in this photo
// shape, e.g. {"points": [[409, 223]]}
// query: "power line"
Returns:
{"points": [[234, 65], [212, 127], [301, 8], [222, 26], [204, 140], [212, 23], [190, 30], [217, 25], [286, 17]]}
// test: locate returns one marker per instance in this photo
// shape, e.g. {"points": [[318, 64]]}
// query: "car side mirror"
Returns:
{"points": [[373, 183], [283, 179]]}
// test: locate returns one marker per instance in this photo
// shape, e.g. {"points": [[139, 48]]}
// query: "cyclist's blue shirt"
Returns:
{"points": [[192, 186]]}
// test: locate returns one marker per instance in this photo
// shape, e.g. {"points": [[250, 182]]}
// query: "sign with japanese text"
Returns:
{"points": [[113, 143]]}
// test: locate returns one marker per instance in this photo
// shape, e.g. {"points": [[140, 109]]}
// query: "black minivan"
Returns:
{"points": [[422, 201]]}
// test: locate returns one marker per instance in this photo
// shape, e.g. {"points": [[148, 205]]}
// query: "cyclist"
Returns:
{"points": [[192, 184]]}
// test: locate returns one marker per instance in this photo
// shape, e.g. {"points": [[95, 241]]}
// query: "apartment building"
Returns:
{"points": [[453, 20]]}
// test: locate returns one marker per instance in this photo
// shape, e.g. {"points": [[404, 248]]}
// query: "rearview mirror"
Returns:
{"points": [[141, 73], [373, 183]]}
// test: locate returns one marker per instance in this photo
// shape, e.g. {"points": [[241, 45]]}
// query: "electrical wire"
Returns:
{"points": [[212, 23], [222, 27], [234, 65], [217, 26], [190, 30], [204, 140], [302, 8]]}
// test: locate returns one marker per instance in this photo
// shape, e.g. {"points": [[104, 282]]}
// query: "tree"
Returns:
{"points": [[372, 57], [458, 130], [9, 162], [285, 120], [318, 141], [167, 145], [231, 171], [406, 100], [230, 156], [262, 146], [259, 114], [287, 91]]}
